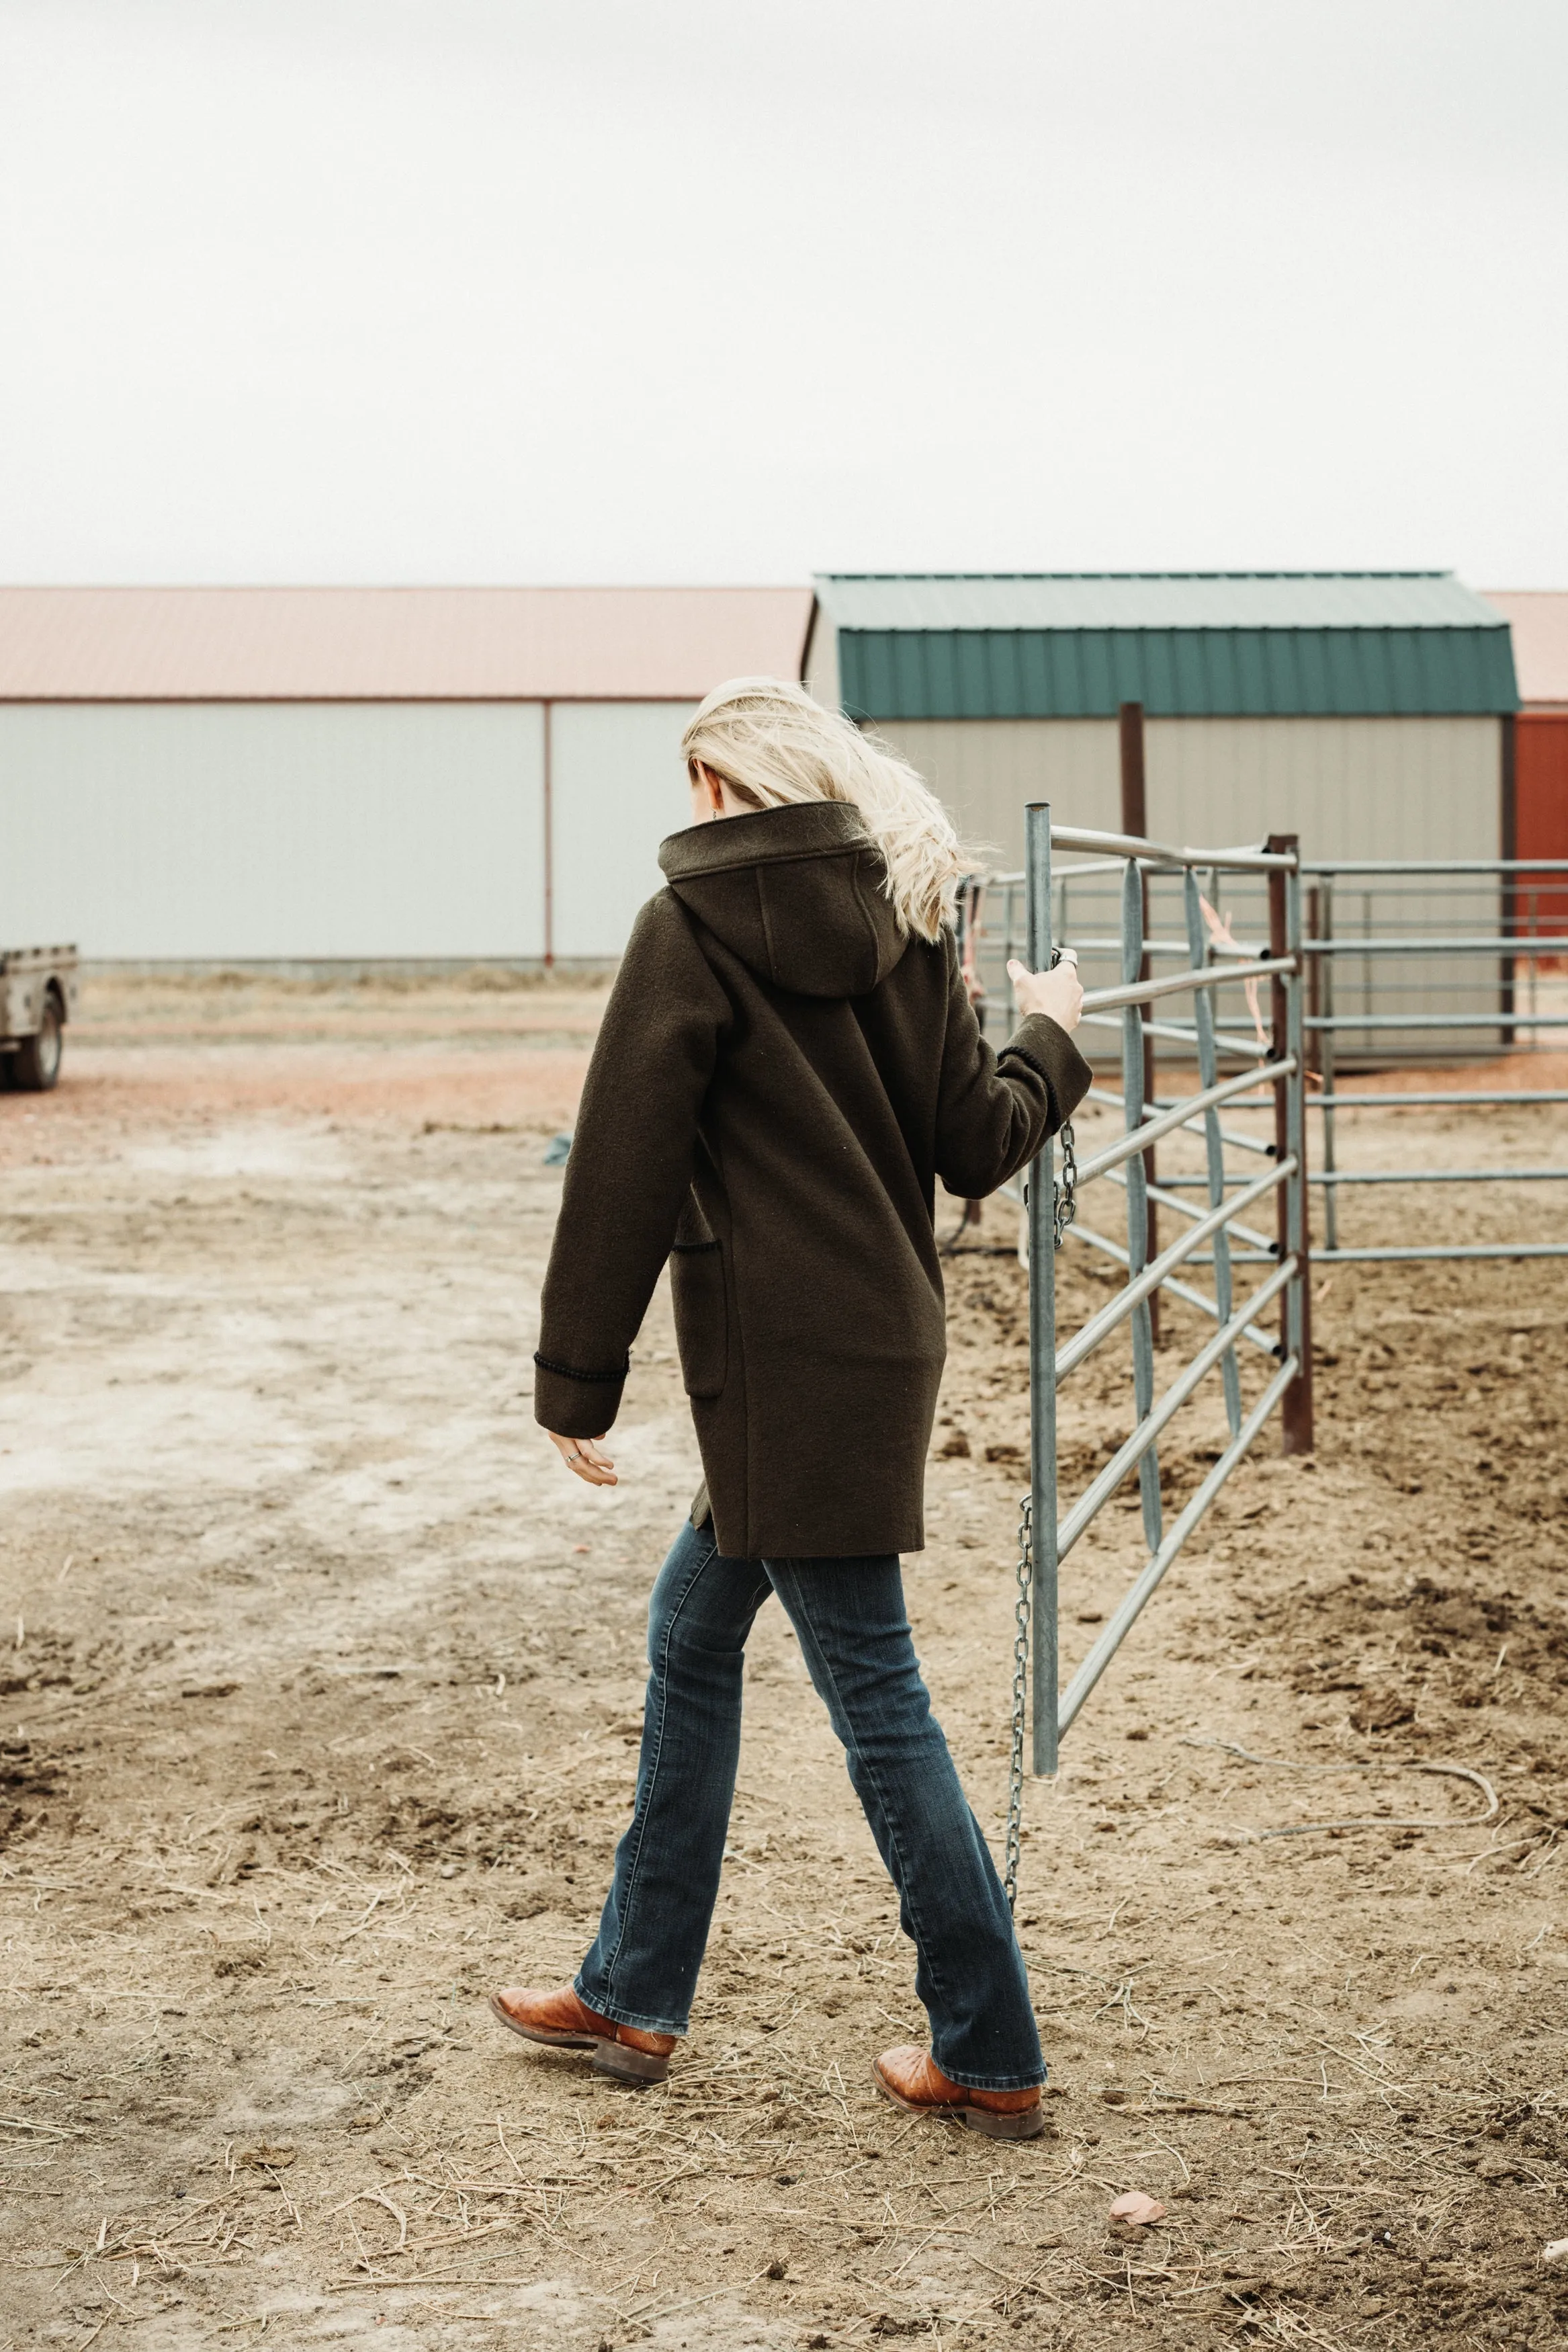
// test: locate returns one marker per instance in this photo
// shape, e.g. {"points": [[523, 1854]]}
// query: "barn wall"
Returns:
{"points": [[1540, 774], [987, 770], [619, 786], [263, 830], [821, 676], [1541, 740], [1350, 787]]}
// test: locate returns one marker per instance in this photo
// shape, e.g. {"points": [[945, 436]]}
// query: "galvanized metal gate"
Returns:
{"points": [[1272, 1074]]}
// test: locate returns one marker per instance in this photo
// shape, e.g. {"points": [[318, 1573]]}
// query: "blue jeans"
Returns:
{"points": [[855, 1636]]}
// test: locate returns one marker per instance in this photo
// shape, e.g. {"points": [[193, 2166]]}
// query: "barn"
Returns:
{"points": [[335, 776], [1538, 621], [1370, 712]]}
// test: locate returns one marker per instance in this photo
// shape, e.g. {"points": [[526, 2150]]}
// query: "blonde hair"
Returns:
{"points": [[773, 745]]}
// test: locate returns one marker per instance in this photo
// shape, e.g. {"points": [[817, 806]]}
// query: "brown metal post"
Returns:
{"points": [[1509, 779], [1296, 1408], [1136, 821]]}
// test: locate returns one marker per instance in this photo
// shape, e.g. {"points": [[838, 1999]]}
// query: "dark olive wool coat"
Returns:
{"points": [[780, 1080]]}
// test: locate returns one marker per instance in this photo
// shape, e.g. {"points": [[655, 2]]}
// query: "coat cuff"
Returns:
{"points": [[573, 1403], [1046, 1047]]}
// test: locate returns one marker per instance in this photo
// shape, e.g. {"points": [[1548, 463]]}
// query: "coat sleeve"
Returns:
{"points": [[995, 1110], [629, 1171]]}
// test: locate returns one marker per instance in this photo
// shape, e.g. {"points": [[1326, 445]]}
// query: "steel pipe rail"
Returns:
{"points": [[1158, 853], [1078, 1231], [1101, 1490], [1184, 1103], [1145, 991], [1525, 945], [1452, 1098], [1181, 1115], [1228, 1041], [1137, 1598], [1441, 1176], [1422, 866], [1169, 1200], [1394, 1019], [1436, 1250], [1117, 1310]]}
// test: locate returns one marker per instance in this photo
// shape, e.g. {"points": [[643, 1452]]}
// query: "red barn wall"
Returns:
{"points": [[1541, 789]]}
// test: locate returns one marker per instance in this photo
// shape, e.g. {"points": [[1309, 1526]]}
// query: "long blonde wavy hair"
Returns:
{"points": [[773, 745]]}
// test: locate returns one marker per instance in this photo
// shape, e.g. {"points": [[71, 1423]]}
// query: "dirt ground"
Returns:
{"points": [[321, 1688]]}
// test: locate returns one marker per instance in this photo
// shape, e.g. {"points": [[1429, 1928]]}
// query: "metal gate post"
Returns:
{"points": [[1289, 1140], [1041, 1339], [1140, 1220], [1326, 1066], [1208, 1075]]}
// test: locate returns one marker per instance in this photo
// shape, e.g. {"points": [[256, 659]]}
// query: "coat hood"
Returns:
{"points": [[798, 893]]}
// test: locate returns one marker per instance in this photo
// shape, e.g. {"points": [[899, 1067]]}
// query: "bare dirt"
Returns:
{"points": [[322, 1687]]}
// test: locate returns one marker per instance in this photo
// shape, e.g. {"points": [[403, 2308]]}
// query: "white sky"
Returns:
{"points": [[736, 289]]}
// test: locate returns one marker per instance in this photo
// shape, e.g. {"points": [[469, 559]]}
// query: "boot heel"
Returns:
{"points": [[1028, 2124], [639, 2066]]}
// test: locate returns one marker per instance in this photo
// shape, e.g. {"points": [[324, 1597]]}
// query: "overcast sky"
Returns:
{"points": [[738, 289]]}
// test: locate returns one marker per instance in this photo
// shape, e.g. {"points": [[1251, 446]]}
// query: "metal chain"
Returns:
{"points": [[1064, 1196], [1020, 1685]]}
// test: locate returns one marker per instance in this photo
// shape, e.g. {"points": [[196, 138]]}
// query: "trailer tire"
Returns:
{"points": [[36, 1064]]}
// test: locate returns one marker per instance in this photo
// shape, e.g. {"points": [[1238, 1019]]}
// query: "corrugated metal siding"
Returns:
{"points": [[985, 773], [1540, 774], [1152, 600], [274, 830], [618, 787], [1087, 673], [1350, 787], [1384, 788]]}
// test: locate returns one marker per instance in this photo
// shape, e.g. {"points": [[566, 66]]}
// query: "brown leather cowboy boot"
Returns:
{"points": [[913, 2080], [561, 2019]]}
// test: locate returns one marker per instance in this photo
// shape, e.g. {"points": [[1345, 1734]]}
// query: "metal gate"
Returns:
{"points": [[1272, 1073]]}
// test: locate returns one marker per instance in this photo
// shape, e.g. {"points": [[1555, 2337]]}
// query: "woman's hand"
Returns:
{"points": [[584, 1460], [1059, 993]]}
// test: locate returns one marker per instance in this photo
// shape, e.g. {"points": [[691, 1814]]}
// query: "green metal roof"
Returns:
{"points": [[1185, 644]]}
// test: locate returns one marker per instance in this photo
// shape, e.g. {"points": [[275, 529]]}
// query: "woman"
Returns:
{"points": [[787, 1062]]}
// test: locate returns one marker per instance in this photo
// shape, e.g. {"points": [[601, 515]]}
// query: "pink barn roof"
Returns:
{"points": [[309, 644], [1538, 620]]}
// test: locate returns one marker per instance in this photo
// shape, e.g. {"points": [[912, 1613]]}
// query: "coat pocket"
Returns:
{"points": [[702, 1324]]}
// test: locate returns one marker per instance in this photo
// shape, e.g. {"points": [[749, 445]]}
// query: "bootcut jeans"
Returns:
{"points": [[855, 1636]]}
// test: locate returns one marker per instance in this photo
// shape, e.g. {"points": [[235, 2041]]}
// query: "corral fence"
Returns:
{"points": [[1311, 977], [1409, 966], [1194, 1006], [1424, 962]]}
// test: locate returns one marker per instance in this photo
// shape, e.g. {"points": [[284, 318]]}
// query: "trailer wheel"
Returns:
{"points": [[36, 1064]]}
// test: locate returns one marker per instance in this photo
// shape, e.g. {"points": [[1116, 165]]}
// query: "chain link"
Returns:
{"points": [[1021, 1687], [1063, 1209], [1064, 1196]]}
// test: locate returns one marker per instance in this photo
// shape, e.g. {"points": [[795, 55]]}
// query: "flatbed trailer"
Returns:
{"points": [[38, 993]]}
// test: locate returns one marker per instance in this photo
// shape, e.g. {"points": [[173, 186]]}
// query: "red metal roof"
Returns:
{"points": [[1538, 618], [309, 644]]}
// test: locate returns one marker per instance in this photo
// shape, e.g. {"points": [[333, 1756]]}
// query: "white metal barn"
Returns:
{"points": [[1371, 713], [317, 775]]}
